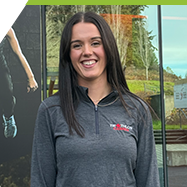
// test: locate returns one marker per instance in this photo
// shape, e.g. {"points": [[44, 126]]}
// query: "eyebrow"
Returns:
{"points": [[96, 37]]}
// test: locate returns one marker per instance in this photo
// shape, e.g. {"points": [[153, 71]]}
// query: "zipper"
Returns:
{"points": [[96, 119]]}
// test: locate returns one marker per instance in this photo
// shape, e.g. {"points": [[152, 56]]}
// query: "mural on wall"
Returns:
{"points": [[20, 89]]}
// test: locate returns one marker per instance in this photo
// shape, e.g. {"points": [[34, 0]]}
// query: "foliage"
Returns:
{"points": [[56, 17], [157, 126], [139, 85], [121, 18], [146, 50], [134, 73], [176, 118], [169, 70], [145, 96]]}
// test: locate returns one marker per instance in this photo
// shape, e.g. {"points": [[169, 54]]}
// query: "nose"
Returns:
{"points": [[87, 50]]}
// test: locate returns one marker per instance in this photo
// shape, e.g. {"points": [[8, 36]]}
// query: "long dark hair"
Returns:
{"points": [[67, 75]]}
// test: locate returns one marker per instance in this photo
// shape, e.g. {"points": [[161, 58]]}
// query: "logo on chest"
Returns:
{"points": [[120, 127]]}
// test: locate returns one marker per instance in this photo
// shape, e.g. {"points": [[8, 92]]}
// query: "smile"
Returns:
{"points": [[88, 63]]}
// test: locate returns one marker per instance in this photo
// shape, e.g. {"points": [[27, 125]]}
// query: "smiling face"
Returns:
{"points": [[87, 53]]}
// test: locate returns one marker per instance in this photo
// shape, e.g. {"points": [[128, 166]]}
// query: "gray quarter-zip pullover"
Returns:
{"points": [[117, 150]]}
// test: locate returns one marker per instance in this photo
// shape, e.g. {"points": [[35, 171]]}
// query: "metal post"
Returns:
{"points": [[162, 97], [180, 118], [44, 63]]}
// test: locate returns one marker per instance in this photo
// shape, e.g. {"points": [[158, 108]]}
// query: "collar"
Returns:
{"points": [[109, 99]]}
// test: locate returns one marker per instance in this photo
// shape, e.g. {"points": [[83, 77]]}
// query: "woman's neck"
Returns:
{"points": [[97, 90]]}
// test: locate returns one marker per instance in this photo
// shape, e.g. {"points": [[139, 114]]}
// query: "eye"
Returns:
{"points": [[76, 46], [96, 43]]}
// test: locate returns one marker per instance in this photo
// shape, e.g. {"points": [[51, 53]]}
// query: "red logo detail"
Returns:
{"points": [[119, 128]]}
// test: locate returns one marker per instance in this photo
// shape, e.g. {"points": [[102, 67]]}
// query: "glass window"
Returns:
{"points": [[174, 21], [135, 28]]}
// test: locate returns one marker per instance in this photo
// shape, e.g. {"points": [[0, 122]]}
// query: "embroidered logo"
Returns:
{"points": [[121, 127]]}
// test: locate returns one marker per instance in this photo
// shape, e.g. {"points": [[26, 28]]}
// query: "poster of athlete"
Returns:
{"points": [[20, 94]]}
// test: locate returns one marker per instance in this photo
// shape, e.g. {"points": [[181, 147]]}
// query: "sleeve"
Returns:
{"points": [[43, 162], [146, 171]]}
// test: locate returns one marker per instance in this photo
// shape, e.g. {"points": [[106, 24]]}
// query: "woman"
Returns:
{"points": [[94, 132], [7, 99]]}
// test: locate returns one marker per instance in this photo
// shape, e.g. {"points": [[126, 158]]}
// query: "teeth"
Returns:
{"points": [[89, 62]]}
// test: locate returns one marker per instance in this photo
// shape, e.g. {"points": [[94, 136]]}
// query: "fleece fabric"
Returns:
{"points": [[118, 149]]}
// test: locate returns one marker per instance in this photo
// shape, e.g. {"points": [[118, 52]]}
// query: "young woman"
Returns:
{"points": [[94, 132], [7, 98]]}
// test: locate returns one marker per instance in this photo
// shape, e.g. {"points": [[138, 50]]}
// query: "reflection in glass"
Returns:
{"points": [[174, 62]]}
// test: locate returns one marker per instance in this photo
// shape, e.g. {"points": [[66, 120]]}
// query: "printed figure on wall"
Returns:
{"points": [[20, 95], [7, 98]]}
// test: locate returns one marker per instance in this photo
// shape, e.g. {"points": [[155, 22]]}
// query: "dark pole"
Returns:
{"points": [[180, 118], [162, 98], [44, 63]]}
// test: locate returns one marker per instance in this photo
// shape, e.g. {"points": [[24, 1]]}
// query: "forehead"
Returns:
{"points": [[83, 30]]}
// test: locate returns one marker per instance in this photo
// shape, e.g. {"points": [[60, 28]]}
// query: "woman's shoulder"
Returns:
{"points": [[135, 101], [137, 107], [51, 101]]}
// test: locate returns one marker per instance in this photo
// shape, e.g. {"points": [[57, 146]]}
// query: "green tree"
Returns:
{"points": [[56, 17], [169, 70], [120, 18], [145, 49]]}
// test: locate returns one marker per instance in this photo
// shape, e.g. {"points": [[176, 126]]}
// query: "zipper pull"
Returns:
{"points": [[96, 108]]}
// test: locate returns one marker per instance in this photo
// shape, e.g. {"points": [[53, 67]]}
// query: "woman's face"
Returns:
{"points": [[87, 53]]}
